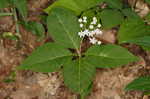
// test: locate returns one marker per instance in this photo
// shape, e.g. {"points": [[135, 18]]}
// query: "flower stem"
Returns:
{"points": [[80, 49]]}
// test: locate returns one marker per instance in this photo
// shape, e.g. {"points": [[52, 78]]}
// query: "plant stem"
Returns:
{"points": [[80, 49], [16, 22], [79, 53], [81, 97], [6, 14]]}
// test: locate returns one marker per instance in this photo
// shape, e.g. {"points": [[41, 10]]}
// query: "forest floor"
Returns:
{"points": [[108, 83]]}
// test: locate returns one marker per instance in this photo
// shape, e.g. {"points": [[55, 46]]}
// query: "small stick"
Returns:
{"points": [[16, 22], [6, 14]]}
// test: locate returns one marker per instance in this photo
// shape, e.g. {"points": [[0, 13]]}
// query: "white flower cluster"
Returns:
{"points": [[91, 30]]}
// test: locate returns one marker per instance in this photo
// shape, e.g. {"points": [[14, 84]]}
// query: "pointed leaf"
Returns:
{"points": [[107, 56], [117, 4], [111, 18], [34, 27], [78, 75], [147, 17], [64, 27], [75, 5], [142, 41], [129, 13], [47, 58], [132, 29], [147, 1], [147, 93], [4, 3], [141, 83]]}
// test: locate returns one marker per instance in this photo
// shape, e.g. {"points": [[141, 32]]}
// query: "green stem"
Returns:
{"points": [[6, 14], [81, 97], [80, 49], [16, 22]]}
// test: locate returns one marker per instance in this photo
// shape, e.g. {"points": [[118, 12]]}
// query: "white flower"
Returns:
{"points": [[81, 25], [99, 25], [86, 32], [94, 22], [80, 20], [85, 21], [92, 30], [92, 33], [98, 32], [94, 18], [99, 42], [84, 18], [93, 40], [91, 26], [81, 34]]}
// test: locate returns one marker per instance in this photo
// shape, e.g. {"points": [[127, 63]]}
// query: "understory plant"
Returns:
{"points": [[19, 12], [72, 23], [132, 29], [65, 54]]}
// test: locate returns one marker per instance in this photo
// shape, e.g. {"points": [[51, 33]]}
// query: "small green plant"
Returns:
{"points": [[35, 27], [21, 6], [9, 35], [70, 26], [10, 78], [71, 23], [141, 84], [78, 68]]}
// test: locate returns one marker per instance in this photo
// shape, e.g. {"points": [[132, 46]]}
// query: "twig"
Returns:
{"points": [[6, 14], [16, 22]]}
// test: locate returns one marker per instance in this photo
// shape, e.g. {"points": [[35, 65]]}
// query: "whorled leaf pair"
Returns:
{"points": [[78, 72]]}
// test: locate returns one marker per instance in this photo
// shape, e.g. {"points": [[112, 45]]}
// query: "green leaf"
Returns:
{"points": [[47, 58], [34, 27], [111, 18], [129, 13], [4, 3], [147, 1], [108, 56], [142, 41], [89, 13], [147, 93], [75, 5], [132, 29], [21, 5], [78, 75], [146, 48], [10, 78], [64, 27], [141, 83], [117, 4], [147, 17]]}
